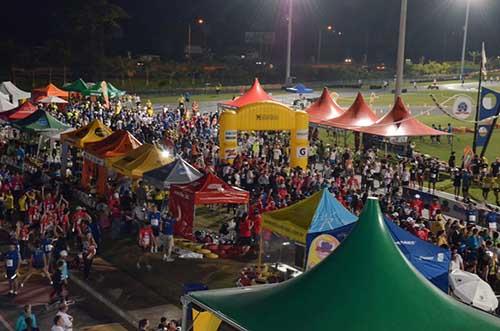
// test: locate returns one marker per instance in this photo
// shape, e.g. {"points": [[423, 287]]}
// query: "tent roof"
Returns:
{"points": [[96, 90], [140, 160], [366, 282], [52, 99], [358, 115], [323, 109], [39, 121], [400, 123], [78, 85], [92, 132], [117, 144], [5, 105], [255, 94], [12, 90], [211, 189], [20, 112], [176, 172], [113, 91], [299, 88], [50, 90], [318, 213]]}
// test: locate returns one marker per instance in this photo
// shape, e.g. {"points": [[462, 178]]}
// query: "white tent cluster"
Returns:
{"points": [[12, 94]]}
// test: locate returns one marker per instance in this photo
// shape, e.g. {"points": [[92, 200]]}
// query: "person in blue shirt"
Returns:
{"points": [[154, 218], [39, 263], [26, 314], [471, 214], [166, 238], [473, 242], [11, 265], [491, 218]]}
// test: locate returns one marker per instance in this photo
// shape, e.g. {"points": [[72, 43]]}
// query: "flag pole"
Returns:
{"points": [[478, 105]]}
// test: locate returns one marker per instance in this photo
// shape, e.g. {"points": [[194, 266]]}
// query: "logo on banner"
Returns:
{"points": [[230, 135], [483, 131], [100, 132], [320, 248], [230, 153], [267, 117], [462, 108], [42, 121], [301, 151], [302, 134]]}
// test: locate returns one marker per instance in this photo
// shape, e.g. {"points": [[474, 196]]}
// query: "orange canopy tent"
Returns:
{"points": [[357, 116], [116, 145], [19, 113], [324, 109], [46, 91], [400, 123], [255, 94]]}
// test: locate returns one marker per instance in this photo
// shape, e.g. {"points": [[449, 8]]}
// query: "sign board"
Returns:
{"points": [[462, 108]]}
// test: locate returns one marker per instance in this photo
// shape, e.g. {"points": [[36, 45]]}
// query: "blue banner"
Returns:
{"points": [[483, 132], [490, 102]]}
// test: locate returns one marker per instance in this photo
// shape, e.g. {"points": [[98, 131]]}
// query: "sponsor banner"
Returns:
{"points": [[302, 151], [483, 131], [398, 140], [320, 248], [93, 158], [267, 117], [302, 134], [230, 135], [490, 103], [462, 108]]}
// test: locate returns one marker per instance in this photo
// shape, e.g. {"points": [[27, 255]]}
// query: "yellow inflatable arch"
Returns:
{"points": [[265, 116]]}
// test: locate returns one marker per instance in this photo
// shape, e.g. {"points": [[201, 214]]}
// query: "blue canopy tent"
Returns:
{"points": [[299, 89], [430, 260]]}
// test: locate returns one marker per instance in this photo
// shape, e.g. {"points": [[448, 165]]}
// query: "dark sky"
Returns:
{"points": [[369, 26]]}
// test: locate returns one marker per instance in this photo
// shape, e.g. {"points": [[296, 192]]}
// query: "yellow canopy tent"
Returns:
{"points": [[92, 132], [140, 160], [205, 321]]}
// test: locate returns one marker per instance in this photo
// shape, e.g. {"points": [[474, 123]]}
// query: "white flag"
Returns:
{"points": [[483, 62]]}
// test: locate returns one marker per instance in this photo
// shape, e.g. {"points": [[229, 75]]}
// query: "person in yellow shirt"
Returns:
{"points": [[441, 239], [23, 206], [9, 206]]}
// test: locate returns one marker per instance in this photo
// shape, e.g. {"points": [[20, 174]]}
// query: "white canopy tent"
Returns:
{"points": [[472, 290], [5, 105], [53, 99], [15, 94]]}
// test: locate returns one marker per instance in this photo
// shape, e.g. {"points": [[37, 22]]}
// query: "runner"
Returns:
{"points": [[39, 264], [12, 260], [145, 242]]}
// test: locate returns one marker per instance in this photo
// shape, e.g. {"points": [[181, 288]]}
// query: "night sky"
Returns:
{"points": [[368, 26]]}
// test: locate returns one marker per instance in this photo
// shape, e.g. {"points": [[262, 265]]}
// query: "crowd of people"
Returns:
{"points": [[44, 222]]}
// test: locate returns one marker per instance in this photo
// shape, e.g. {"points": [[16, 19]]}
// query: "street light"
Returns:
{"points": [[401, 49], [464, 45], [288, 78], [329, 28], [199, 21]]}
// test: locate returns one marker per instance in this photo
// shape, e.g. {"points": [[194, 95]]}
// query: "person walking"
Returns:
{"points": [[67, 318]]}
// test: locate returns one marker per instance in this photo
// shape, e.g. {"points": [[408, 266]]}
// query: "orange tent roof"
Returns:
{"points": [[118, 143], [92, 132], [324, 109], [400, 123], [255, 94], [357, 116], [49, 90]]}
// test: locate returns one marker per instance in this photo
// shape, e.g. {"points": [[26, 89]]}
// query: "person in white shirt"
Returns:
{"points": [[58, 324], [67, 319], [457, 263]]}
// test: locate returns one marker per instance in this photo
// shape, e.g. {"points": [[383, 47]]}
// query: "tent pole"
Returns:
{"points": [[261, 246], [185, 305]]}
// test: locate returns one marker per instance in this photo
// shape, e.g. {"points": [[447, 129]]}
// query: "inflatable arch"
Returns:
{"points": [[265, 116]]}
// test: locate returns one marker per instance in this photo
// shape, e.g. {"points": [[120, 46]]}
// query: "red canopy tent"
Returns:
{"points": [[255, 94], [209, 189], [400, 123], [115, 145], [49, 90], [357, 116], [19, 113], [324, 109]]}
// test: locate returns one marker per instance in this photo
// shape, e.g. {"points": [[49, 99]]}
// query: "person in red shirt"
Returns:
{"points": [[146, 238], [422, 232], [433, 208], [257, 226], [417, 205], [245, 231]]}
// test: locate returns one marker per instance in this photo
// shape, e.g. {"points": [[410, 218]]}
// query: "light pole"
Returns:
{"points": [[199, 21], [288, 78], [464, 45], [401, 50], [329, 28]]}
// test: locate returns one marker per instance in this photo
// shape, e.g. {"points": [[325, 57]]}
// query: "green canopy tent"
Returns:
{"points": [[366, 284], [78, 86], [96, 90], [40, 121]]}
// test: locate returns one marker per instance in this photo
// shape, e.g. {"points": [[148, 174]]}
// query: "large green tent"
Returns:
{"points": [[96, 90], [78, 85], [40, 121], [366, 284]]}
